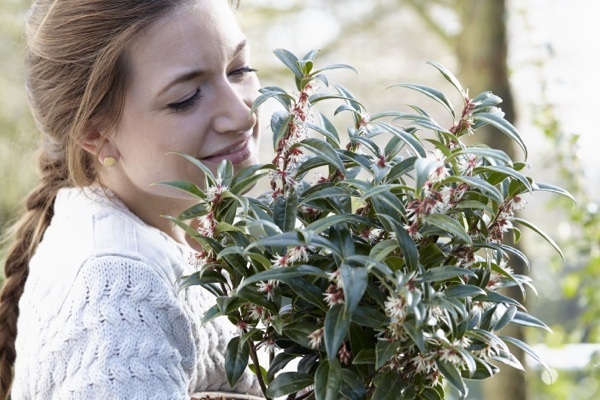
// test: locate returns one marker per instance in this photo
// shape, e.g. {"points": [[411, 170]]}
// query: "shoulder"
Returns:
{"points": [[120, 327], [90, 234]]}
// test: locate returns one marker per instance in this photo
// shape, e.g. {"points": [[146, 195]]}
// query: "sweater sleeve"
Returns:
{"points": [[121, 334]]}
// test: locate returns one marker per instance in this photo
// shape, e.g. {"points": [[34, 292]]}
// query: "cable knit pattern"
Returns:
{"points": [[100, 317]]}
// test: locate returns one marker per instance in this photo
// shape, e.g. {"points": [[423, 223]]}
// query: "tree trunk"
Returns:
{"points": [[482, 54]]}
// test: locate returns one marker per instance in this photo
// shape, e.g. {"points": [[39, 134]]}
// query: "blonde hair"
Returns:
{"points": [[76, 80]]}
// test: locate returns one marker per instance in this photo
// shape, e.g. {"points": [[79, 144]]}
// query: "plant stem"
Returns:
{"points": [[254, 357]]}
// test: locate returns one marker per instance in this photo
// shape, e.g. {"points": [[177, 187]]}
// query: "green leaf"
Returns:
{"points": [[541, 233], [449, 225], [211, 314], [336, 328], [335, 66], [307, 291], [506, 172], [365, 356], [430, 394], [423, 167], [225, 172], [247, 178], [480, 184], [324, 151], [522, 318], [384, 350], [504, 126], [432, 93], [415, 330], [389, 386], [284, 211], [185, 186], [284, 274], [323, 224], [449, 76], [503, 316], [528, 349], [383, 249], [410, 254], [288, 382], [325, 132], [367, 316], [353, 387], [236, 359], [460, 291], [290, 61], [452, 375], [280, 361], [410, 140], [446, 272], [272, 92], [546, 187], [486, 152], [209, 176], [355, 280], [328, 380]]}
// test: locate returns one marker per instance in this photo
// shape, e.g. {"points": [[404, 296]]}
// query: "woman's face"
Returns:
{"points": [[190, 90]]}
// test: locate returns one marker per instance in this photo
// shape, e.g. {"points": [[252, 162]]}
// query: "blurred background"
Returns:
{"points": [[538, 55]]}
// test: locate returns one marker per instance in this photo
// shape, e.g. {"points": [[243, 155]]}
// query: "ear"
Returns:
{"points": [[99, 146]]}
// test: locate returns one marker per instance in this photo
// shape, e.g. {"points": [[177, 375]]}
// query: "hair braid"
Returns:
{"points": [[25, 235]]}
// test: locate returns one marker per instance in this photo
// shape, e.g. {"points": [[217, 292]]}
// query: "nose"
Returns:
{"points": [[233, 104]]}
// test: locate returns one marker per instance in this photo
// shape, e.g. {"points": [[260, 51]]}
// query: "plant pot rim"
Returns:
{"points": [[224, 396]]}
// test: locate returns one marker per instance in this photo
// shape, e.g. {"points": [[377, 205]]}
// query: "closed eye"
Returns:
{"points": [[186, 104], [242, 71]]}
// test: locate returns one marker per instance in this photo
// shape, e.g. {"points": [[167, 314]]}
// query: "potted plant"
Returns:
{"points": [[376, 260]]}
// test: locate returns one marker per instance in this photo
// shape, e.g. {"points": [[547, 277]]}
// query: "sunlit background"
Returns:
{"points": [[553, 63]]}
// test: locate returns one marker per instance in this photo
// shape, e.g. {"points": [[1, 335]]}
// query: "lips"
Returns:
{"points": [[236, 153]]}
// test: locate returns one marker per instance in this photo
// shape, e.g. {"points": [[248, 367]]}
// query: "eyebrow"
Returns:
{"points": [[188, 76]]}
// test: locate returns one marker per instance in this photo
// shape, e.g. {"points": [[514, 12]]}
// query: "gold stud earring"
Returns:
{"points": [[109, 161]]}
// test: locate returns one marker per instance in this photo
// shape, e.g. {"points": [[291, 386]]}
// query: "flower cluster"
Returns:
{"points": [[288, 154]]}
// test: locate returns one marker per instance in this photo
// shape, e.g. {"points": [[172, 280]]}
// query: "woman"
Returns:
{"points": [[116, 87]]}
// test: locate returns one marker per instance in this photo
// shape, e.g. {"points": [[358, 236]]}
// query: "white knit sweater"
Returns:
{"points": [[100, 317]]}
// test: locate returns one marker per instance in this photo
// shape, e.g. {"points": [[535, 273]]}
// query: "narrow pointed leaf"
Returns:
{"points": [[450, 225], [449, 76], [522, 318], [325, 151], [503, 126], [289, 382], [328, 380], [411, 140], [355, 280], [452, 375], [290, 61], [336, 328], [546, 187], [236, 359], [446, 272], [432, 93], [541, 233], [285, 273]]}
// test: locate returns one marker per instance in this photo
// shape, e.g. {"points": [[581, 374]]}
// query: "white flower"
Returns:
{"points": [[423, 364], [451, 356], [267, 287], [315, 338], [395, 308], [213, 193], [297, 253], [467, 163], [257, 313], [280, 261]]}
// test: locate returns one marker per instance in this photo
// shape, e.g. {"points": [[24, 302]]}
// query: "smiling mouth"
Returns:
{"points": [[237, 153]]}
